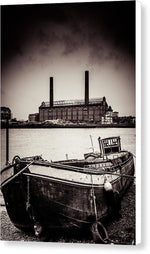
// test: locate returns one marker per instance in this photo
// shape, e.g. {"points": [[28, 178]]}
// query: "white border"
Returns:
{"points": [[138, 122]]}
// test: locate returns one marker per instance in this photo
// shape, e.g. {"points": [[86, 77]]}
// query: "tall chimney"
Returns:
{"points": [[51, 91], [86, 87]]}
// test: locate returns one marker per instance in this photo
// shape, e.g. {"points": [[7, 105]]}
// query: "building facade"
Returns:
{"points": [[87, 110], [5, 113], [107, 118], [33, 117]]}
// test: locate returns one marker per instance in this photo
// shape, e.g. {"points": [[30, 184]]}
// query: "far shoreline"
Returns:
{"points": [[51, 124]]}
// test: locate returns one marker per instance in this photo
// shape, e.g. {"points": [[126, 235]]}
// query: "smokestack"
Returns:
{"points": [[51, 91], [86, 87]]}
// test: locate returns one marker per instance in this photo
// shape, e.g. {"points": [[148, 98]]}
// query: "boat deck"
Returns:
{"points": [[90, 173]]}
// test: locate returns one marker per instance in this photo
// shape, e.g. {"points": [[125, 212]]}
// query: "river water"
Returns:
{"points": [[55, 143]]}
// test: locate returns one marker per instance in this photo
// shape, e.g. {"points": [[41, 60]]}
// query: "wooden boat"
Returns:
{"points": [[72, 193]]}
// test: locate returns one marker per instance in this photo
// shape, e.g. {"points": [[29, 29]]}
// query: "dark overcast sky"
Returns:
{"points": [[84, 35], [112, 21]]}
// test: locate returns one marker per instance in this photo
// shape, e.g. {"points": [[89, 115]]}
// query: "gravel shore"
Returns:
{"points": [[121, 231]]}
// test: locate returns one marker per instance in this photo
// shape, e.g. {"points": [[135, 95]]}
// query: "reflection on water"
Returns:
{"points": [[54, 144]]}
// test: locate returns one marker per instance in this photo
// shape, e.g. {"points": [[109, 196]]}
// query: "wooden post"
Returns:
{"points": [[7, 141], [92, 143], [51, 92], [86, 88]]}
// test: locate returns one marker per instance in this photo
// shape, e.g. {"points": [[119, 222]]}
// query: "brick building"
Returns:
{"points": [[86, 110]]}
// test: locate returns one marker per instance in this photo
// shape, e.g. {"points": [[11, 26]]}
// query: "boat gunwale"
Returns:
{"points": [[72, 168], [72, 182], [55, 164], [85, 170]]}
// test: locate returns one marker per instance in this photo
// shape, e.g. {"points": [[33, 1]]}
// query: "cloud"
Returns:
{"points": [[105, 29]]}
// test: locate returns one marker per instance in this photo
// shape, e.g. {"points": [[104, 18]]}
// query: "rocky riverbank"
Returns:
{"points": [[121, 231]]}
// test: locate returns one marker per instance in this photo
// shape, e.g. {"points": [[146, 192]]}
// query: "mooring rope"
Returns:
{"points": [[94, 198], [106, 239], [28, 193]]}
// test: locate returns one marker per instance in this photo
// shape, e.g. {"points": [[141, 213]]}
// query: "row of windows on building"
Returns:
{"points": [[92, 113]]}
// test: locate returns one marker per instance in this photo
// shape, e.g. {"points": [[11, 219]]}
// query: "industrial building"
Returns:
{"points": [[86, 110]]}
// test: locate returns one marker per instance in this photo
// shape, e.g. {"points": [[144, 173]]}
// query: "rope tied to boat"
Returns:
{"points": [[94, 198], [98, 230], [28, 205]]}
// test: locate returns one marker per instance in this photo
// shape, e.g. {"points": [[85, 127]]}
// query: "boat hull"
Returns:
{"points": [[55, 202]]}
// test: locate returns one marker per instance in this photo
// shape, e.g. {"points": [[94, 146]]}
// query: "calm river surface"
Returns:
{"points": [[54, 144]]}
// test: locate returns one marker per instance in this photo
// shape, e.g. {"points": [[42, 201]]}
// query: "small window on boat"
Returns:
{"points": [[115, 149], [107, 150], [111, 150]]}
